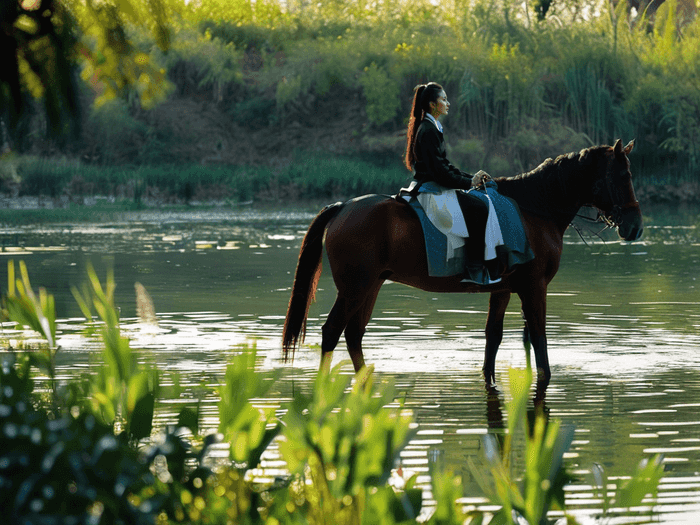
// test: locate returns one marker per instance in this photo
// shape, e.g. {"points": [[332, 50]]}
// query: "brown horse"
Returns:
{"points": [[374, 238]]}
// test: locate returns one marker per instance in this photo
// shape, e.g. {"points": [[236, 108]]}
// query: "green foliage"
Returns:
{"points": [[22, 305], [580, 65], [64, 468], [43, 178], [381, 93], [111, 58], [309, 176], [82, 461], [120, 393], [387, 506], [256, 112], [346, 443], [201, 62], [114, 134], [248, 429], [447, 490], [546, 442], [630, 493], [321, 175]]}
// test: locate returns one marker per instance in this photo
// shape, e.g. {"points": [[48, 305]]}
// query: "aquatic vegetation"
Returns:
{"points": [[91, 453]]}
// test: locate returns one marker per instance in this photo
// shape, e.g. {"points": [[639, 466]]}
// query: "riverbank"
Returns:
{"points": [[660, 204]]}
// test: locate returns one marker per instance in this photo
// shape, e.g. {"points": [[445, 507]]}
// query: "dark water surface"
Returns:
{"points": [[623, 328]]}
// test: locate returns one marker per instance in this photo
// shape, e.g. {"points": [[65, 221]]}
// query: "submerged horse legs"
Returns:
{"points": [[331, 331], [494, 334], [350, 315], [356, 327], [535, 310]]}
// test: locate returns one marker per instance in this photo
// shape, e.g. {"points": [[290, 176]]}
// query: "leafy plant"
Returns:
{"points": [[63, 468], [541, 488], [631, 492], [381, 93], [344, 444], [87, 460], [120, 393], [248, 429], [38, 313]]}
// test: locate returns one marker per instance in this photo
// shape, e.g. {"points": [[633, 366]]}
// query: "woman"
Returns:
{"points": [[425, 145], [435, 181]]}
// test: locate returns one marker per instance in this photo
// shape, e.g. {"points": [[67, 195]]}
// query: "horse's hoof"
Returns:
{"points": [[492, 387]]}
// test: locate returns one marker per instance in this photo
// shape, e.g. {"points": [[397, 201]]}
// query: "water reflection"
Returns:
{"points": [[623, 326]]}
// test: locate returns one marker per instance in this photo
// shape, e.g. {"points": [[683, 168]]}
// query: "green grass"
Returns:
{"points": [[311, 177]]}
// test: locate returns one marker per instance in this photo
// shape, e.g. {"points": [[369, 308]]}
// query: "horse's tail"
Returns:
{"points": [[306, 280]]}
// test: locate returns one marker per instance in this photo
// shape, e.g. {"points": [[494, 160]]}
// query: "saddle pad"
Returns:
{"points": [[436, 247], [446, 258]]}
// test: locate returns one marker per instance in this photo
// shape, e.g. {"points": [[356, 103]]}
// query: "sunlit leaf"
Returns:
{"points": [[644, 482]]}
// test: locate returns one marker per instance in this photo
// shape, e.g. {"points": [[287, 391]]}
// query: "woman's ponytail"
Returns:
{"points": [[414, 120], [423, 95]]}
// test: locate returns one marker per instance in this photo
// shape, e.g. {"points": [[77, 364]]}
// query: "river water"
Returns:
{"points": [[623, 330]]}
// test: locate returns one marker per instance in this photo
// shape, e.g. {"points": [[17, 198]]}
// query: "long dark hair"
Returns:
{"points": [[424, 94]]}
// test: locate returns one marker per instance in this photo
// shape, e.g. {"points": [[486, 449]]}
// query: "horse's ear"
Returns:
{"points": [[628, 148], [617, 148]]}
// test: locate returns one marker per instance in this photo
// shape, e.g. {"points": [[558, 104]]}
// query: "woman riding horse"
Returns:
{"points": [[374, 238], [436, 179]]}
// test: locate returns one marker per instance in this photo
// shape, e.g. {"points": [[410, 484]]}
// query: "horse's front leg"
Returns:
{"points": [[494, 334], [534, 302]]}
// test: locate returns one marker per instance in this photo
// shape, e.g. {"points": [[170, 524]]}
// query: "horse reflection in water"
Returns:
{"points": [[374, 238]]}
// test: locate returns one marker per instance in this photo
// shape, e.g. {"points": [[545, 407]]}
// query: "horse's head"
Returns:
{"points": [[613, 194]]}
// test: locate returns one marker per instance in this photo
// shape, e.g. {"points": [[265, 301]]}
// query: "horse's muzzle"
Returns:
{"points": [[630, 224]]}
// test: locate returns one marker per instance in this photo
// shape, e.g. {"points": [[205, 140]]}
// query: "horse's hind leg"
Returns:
{"points": [[355, 330], [333, 328], [350, 314], [494, 334]]}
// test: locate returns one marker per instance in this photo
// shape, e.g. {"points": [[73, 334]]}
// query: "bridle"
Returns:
{"points": [[613, 217]]}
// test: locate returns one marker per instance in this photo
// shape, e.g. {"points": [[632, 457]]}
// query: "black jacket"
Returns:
{"points": [[431, 159]]}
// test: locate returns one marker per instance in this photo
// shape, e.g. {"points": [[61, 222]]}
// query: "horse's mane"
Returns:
{"points": [[541, 190]]}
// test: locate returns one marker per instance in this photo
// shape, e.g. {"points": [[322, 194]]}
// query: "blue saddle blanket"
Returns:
{"points": [[513, 247]]}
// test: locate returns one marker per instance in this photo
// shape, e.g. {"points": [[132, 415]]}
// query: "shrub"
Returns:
{"points": [[381, 93]]}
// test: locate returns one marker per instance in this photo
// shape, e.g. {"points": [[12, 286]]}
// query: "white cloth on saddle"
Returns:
{"points": [[492, 236], [444, 212]]}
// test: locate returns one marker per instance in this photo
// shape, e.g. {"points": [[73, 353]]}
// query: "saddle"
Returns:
{"points": [[462, 229], [474, 212]]}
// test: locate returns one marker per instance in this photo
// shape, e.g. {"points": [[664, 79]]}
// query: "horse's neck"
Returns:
{"points": [[554, 192]]}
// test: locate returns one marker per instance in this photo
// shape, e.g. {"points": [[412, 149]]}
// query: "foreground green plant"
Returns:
{"points": [[541, 488], [120, 392], [37, 313], [94, 458], [343, 446], [250, 430], [530, 496]]}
